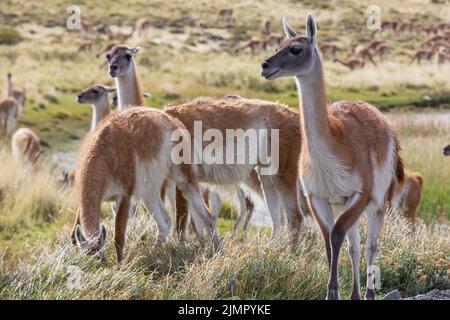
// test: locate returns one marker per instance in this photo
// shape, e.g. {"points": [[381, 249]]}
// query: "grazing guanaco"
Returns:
{"points": [[230, 113], [407, 194], [420, 55], [8, 115], [17, 94], [364, 53], [349, 159], [329, 50], [389, 25], [382, 50], [352, 64], [373, 45], [129, 155], [253, 44], [26, 147]]}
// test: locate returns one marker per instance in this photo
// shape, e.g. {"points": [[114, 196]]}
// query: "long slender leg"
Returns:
{"points": [[155, 207], [187, 183], [291, 212], [354, 252], [249, 207], [323, 213], [354, 207], [77, 222], [242, 210], [181, 215], [374, 224], [123, 208], [272, 202]]}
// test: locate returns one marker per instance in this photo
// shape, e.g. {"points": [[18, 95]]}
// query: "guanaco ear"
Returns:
{"points": [[287, 29], [109, 89], [102, 236], [311, 29], [81, 240], [135, 50]]}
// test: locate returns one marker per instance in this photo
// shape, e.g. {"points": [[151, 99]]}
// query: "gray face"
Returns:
{"points": [[292, 58], [296, 56], [447, 150], [93, 94], [120, 60]]}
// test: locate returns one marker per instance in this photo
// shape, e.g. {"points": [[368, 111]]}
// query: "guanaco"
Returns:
{"points": [[349, 158], [352, 64], [26, 147], [129, 155], [17, 94]]}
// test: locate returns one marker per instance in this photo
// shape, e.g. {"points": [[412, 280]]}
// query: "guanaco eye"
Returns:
{"points": [[128, 56], [95, 91], [295, 51], [108, 57]]}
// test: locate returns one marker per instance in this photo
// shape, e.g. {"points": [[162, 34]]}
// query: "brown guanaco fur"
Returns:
{"points": [[129, 155], [407, 194], [26, 147], [349, 156]]}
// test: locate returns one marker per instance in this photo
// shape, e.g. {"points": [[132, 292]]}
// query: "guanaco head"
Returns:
{"points": [[296, 55], [94, 94], [91, 246], [121, 60], [447, 150]]}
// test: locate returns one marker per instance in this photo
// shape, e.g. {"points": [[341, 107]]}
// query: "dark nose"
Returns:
{"points": [[79, 97], [113, 67], [265, 65]]}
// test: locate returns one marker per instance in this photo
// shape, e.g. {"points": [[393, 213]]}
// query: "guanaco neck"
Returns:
{"points": [[10, 87], [100, 110], [314, 114], [129, 91]]}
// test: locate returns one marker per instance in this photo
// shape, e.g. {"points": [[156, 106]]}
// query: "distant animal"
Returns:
{"points": [[407, 194], [26, 147], [225, 17], [434, 39], [17, 94], [404, 27], [446, 150], [8, 115], [85, 47], [443, 55], [253, 44], [442, 26], [273, 39], [352, 64], [266, 27], [364, 53], [382, 50], [329, 50], [420, 55], [141, 26], [389, 25], [66, 179], [373, 45]]}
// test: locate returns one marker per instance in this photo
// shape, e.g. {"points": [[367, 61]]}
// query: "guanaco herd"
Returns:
{"points": [[337, 162]]}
